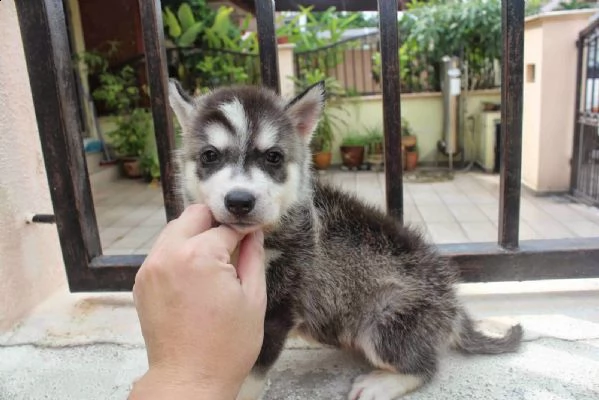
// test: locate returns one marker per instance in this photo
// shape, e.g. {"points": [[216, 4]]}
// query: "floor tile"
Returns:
{"points": [[468, 213], [480, 231], [435, 213], [584, 228], [447, 232]]}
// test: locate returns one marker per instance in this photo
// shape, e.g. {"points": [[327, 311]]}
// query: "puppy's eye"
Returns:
{"points": [[210, 156], [274, 157]]}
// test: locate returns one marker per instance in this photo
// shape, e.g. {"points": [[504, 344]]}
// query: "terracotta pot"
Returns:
{"points": [[322, 160], [282, 40], [411, 158], [132, 168], [352, 156], [408, 141]]}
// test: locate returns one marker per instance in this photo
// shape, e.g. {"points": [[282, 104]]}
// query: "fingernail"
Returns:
{"points": [[259, 235]]}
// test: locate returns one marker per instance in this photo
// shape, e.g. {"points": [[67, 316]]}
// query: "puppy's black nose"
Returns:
{"points": [[239, 202]]}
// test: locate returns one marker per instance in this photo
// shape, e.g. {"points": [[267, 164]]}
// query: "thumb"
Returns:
{"points": [[250, 267]]}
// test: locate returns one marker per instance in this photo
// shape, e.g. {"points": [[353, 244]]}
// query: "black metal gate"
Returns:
{"points": [[585, 153], [45, 40]]}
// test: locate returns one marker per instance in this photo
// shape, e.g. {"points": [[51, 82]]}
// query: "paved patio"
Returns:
{"points": [[89, 346], [465, 209]]}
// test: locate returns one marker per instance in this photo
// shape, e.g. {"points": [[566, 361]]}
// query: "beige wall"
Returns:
{"points": [[31, 264], [423, 111], [549, 42]]}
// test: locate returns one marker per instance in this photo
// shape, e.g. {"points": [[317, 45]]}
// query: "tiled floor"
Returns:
{"points": [[465, 209]]}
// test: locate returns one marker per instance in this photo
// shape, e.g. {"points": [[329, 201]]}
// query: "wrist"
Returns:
{"points": [[158, 383]]}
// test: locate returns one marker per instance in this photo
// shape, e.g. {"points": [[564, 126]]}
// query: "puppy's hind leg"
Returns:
{"points": [[400, 369], [403, 346]]}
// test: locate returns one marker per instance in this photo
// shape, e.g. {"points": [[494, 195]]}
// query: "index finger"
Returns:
{"points": [[223, 234], [193, 221]]}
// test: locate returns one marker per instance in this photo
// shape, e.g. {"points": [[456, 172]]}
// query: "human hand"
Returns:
{"points": [[201, 318]]}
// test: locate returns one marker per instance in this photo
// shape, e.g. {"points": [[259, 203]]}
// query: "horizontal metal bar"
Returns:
{"points": [[478, 262], [534, 260], [323, 5]]}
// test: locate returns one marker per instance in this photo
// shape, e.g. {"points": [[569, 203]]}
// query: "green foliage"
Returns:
{"points": [[532, 7], [228, 53], [309, 37], [355, 139], [433, 30], [576, 5], [323, 135], [130, 137], [119, 91], [406, 128], [374, 134]]}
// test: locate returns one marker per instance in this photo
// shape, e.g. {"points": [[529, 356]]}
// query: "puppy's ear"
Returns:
{"points": [[305, 110], [181, 102]]}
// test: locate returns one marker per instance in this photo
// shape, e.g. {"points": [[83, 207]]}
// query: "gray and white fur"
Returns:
{"points": [[339, 271]]}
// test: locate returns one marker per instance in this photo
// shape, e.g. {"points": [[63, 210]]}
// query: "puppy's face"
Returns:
{"points": [[245, 151]]}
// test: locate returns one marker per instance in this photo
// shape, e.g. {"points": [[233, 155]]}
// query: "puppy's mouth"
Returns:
{"points": [[244, 227]]}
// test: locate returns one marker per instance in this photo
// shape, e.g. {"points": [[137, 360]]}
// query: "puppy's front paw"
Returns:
{"points": [[383, 385]]}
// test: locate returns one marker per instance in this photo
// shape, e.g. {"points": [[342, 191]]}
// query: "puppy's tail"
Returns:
{"points": [[470, 341]]}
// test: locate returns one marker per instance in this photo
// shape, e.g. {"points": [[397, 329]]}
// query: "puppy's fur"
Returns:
{"points": [[339, 271]]}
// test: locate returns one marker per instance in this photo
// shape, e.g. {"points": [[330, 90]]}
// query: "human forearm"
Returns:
{"points": [[158, 385]]}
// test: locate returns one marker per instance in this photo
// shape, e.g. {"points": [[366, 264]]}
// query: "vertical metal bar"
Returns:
{"points": [[364, 65], [586, 72], [353, 63], [574, 163], [153, 35], [345, 74], [44, 34], [267, 39], [594, 68], [511, 121], [391, 106]]}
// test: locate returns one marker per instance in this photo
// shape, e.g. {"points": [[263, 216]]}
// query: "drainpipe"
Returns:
{"points": [[451, 88]]}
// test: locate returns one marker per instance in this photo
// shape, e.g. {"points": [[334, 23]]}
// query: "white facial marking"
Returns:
{"points": [[292, 185], [267, 136], [192, 183], [383, 385], [235, 113], [219, 137]]}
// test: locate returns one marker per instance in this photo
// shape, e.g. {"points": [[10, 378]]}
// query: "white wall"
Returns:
{"points": [[31, 264]]}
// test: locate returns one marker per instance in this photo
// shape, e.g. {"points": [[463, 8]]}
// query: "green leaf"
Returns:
{"points": [[191, 35], [174, 29], [186, 17]]}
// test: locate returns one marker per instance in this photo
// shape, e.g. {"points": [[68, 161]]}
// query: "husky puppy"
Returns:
{"points": [[339, 271]]}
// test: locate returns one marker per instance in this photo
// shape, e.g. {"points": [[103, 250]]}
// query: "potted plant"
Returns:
{"points": [[323, 134], [409, 146], [129, 140], [376, 145], [352, 150], [119, 92], [408, 139]]}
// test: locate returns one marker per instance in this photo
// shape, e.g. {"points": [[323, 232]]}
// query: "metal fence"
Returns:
{"points": [[585, 160], [356, 64], [44, 35]]}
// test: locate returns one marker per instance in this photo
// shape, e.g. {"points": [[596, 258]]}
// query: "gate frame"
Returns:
{"points": [[582, 117], [44, 34]]}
